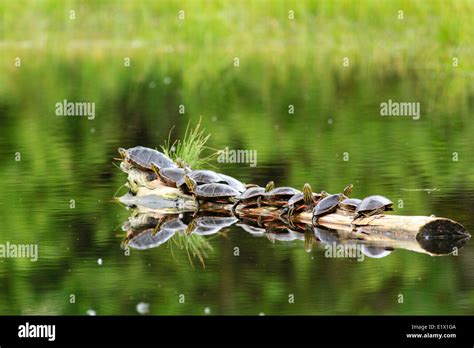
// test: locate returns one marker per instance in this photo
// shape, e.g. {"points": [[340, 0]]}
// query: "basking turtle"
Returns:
{"points": [[350, 204], [169, 176], [330, 203], [373, 205], [251, 197], [278, 196], [143, 157], [232, 182], [200, 177], [326, 206], [215, 192], [302, 201]]}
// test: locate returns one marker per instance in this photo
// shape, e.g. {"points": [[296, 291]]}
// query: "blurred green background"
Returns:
{"points": [[282, 61]]}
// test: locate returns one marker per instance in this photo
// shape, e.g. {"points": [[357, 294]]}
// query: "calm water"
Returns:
{"points": [[427, 164]]}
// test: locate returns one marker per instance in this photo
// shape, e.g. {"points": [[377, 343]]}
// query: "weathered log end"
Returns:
{"points": [[442, 228]]}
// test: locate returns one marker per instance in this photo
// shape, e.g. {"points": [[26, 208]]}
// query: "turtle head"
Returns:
{"points": [[324, 194], [307, 194], [348, 190], [190, 183], [122, 152], [181, 164], [155, 168], [270, 186]]}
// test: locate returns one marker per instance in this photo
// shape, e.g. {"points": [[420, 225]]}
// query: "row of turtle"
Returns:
{"points": [[207, 185]]}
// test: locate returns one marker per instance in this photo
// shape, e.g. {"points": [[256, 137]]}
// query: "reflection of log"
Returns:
{"points": [[408, 232]]}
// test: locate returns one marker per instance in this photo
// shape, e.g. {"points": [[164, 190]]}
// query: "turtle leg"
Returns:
{"points": [[234, 208], [156, 229]]}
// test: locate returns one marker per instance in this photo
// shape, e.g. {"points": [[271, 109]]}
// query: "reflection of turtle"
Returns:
{"points": [[206, 225], [149, 239], [373, 205], [254, 231], [375, 252], [143, 157], [326, 236]]}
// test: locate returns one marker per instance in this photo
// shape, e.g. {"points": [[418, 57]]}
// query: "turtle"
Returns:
{"points": [[169, 176], [350, 204], [143, 157], [278, 196], [373, 205], [330, 203], [214, 192], [251, 197], [232, 182], [326, 206], [200, 177], [302, 201]]}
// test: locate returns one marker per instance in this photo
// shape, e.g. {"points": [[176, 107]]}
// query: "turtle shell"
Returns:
{"points": [[171, 176], [254, 231], [143, 157], [251, 192], [232, 182], [215, 190], [373, 203], [327, 205], [201, 177], [282, 191], [297, 198], [351, 203]]}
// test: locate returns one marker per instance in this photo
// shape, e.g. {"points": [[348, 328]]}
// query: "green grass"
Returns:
{"points": [[191, 148]]}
